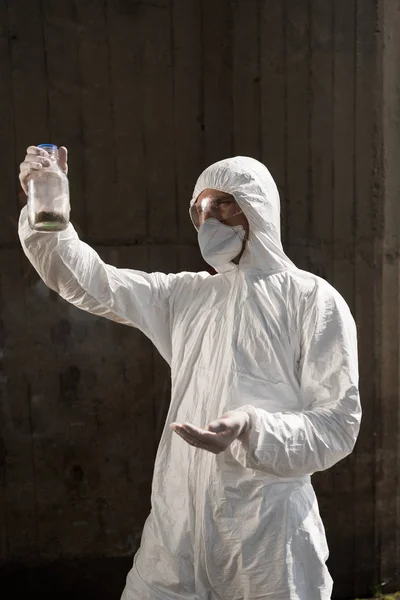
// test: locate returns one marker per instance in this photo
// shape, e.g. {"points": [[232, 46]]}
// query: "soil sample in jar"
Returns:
{"points": [[50, 221]]}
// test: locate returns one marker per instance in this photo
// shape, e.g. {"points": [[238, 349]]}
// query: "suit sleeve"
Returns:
{"points": [[76, 272], [295, 444]]}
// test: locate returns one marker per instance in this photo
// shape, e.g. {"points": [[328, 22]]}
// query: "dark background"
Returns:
{"points": [[145, 94]]}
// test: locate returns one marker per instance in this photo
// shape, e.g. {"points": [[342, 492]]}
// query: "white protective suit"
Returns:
{"points": [[261, 336]]}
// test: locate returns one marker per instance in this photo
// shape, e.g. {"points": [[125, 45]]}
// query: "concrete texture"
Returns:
{"points": [[145, 94]]}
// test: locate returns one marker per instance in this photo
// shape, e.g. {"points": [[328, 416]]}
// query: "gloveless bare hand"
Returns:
{"points": [[37, 158], [219, 434]]}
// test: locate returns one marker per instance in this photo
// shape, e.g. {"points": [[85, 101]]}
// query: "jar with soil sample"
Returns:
{"points": [[48, 195]]}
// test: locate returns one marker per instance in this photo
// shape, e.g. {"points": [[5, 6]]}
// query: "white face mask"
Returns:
{"points": [[219, 243]]}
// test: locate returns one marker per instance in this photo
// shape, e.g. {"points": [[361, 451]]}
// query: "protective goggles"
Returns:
{"points": [[222, 208]]}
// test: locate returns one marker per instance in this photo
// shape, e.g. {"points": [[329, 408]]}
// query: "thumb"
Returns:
{"points": [[217, 427], [63, 158]]}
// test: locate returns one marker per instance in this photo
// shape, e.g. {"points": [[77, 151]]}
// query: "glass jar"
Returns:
{"points": [[48, 195]]}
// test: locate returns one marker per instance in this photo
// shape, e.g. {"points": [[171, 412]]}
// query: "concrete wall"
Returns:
{"points": [[145, 95]]}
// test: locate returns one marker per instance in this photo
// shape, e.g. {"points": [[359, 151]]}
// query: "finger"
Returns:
{"points": [[175, 425], [29, 158], [201, 434], [194, 431], [196, 443], [26, 168], [36, 151], [188, 437], [200, 437], [63, 158], [185, 436]]}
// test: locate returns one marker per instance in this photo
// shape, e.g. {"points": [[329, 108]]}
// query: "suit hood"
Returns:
{"points": [[255, 191]]}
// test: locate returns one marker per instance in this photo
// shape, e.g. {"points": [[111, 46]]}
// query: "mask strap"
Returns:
{"points": [[230, 217]]}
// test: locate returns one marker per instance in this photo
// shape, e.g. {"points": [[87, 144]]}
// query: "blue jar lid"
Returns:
{"points": [[50, 146]]}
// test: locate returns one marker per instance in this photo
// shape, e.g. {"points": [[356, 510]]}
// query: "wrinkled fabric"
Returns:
{"points": [[261, 336]]}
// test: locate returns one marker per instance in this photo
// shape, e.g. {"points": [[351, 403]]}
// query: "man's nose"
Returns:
{"points": [[211, 212]]}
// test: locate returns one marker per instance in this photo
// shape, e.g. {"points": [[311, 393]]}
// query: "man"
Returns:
{"points": [[264, 393]]}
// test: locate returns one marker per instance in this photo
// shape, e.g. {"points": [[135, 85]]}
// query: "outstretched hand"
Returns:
{"points": [[219, 434]]}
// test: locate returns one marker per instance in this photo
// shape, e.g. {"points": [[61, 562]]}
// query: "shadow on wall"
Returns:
{"points": [[103, 579]]}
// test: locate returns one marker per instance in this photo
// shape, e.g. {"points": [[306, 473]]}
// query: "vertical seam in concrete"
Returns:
{"points": [[353, 463], [81, 120], [232, 148], [46, 70], [12, 103], [333, 98], [202, 99], [259, 86], [174, 158], [355, 98], [29, 398], [354, 215], [354, 246], [397, 519], [332, 134], [377, 196], [309, 227], [7, 537], [285, 66], [111, 86], [377, 315], [333, 173]]}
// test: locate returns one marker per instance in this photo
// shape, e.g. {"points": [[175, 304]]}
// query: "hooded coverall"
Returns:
{"points": [[261, 336]]}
